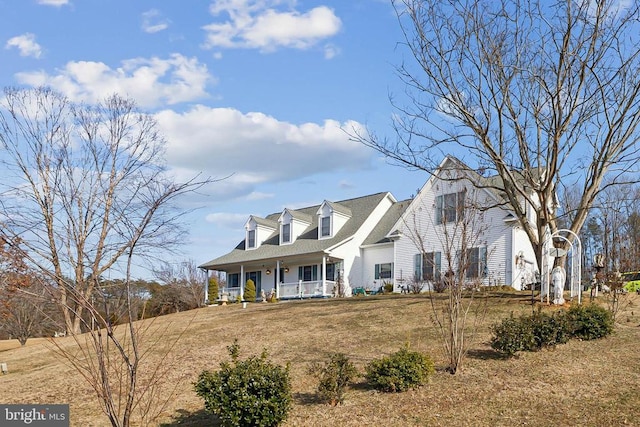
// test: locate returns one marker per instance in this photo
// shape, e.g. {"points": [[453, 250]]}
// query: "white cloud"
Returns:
{"points": [[150, 81], [254, 148], [152, 21], [56, 3], [26, 44], [256, 24]]}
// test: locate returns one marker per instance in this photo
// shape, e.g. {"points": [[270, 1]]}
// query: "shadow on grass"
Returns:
{"points": [[487, 354], [199, 418], [307, 399]]}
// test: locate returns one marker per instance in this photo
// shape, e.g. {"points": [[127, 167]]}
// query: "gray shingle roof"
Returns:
{"points": [[265, 222], [340, 208], [379, 233], [307, 243], [300, 216]]}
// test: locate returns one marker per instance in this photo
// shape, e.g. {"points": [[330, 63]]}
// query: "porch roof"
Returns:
{"points": [[305, 244]]}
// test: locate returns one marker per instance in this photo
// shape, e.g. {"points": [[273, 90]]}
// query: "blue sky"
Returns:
{"points": [[257, 90]]}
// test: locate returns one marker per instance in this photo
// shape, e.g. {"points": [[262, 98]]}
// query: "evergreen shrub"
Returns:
{"points": [[400, 371], [250, 392]]}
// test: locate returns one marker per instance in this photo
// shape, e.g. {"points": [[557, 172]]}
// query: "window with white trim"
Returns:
{"points": [[251, 238], [427, 266], [308, 273], [383, 271], [233, 280], [450, 207], [286, 233], [477, 263], [325, 226]]}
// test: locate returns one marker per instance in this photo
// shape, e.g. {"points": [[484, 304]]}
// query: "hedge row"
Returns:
{"points": [[531, 333]]}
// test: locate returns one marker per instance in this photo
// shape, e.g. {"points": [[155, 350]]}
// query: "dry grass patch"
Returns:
{"points": [[581, 383]]}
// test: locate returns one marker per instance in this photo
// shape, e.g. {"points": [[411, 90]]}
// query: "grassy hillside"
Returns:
{"points": [[593, 383]]}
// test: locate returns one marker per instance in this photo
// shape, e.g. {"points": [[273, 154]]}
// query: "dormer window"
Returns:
{"points": [[251, 238], [325, 226], [258, 231], [331, 218], [286, 233], [292, 225]]}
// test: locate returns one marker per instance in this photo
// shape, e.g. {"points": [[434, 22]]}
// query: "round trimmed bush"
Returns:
{"points": [[401, 371], [250, 392], [590, 321], [513, 335]]}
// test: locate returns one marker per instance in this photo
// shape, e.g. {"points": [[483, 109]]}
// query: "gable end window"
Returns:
{"points": [[325, 226], [286, 233], [450, 207], [251, 238]]}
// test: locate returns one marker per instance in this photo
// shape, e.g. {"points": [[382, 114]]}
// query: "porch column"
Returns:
{"points": [[241, 282], [206, 287], [324, 275], [278, 279]]}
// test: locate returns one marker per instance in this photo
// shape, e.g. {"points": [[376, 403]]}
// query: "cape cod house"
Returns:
{"points": [[369, 241]]}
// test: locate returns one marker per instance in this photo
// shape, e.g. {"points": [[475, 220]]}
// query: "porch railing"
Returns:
{"points": [[233, 293], [300, 289]]}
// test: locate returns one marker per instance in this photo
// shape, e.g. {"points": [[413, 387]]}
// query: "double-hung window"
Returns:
{"points": [[325, 226], [383, 271], [308, 273], [251, 238], [286, 233], [450, 207], [476, 263], [427, 266], [233, 280]]}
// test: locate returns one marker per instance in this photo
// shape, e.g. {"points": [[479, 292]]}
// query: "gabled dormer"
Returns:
{"points": [[292, 224], [258, 230], [331, 218]]}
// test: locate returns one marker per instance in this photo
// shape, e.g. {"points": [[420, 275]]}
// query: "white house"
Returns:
{"points": [[372, 240]]}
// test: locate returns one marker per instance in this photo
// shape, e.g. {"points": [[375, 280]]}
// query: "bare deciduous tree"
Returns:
{"points": [[535, 92], [25, 304], [87, 191], [187, 279], [459, 271]]}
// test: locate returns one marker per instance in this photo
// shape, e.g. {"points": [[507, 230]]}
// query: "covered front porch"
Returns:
{"points": [[310, 276]]}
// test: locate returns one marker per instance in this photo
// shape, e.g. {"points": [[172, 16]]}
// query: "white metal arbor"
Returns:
{"points": [[575, 252]]}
